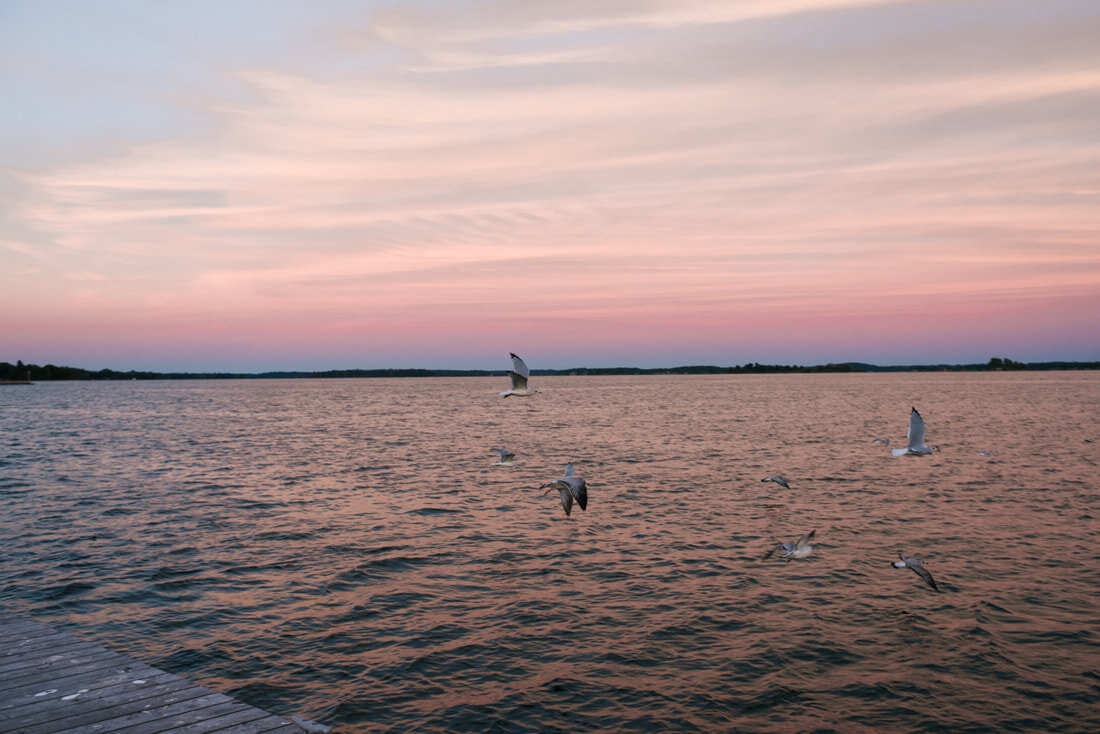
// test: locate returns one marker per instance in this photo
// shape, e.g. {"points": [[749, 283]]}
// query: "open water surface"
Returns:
{"points": [[342, 549]]}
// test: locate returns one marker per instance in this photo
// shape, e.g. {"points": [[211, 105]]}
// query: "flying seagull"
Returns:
{"points": [[884, 441], [519, 374], [778, 480], [570, 488], [918, 569], [916, 445], [796, 549], [986, 452], [507, 458]]}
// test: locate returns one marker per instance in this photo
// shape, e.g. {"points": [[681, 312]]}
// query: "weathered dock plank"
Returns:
{"points": [[120, 699], [52, 683]]}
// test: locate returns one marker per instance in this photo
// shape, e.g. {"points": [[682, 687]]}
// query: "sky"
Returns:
{"points": [[246, 186]]}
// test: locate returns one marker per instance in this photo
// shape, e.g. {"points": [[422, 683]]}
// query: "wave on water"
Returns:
{"points": [[276, 540]]}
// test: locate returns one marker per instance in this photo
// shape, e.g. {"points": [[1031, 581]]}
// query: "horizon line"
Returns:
{"points": [[50, 371]]}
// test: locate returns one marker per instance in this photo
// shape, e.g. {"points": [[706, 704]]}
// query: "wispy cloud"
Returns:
{"points": [[696, 164]]}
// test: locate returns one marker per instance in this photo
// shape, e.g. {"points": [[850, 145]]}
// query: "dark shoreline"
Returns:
{"points": [[26, 373]]}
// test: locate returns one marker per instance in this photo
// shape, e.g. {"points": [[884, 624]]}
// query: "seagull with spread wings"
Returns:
{"points": [[507, 458], [916, 445], [793, 549], [918, 568], [570, 488], [519, 374]]}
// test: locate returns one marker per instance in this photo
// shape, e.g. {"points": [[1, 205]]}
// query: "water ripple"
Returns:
{"points": [[340, 550]]}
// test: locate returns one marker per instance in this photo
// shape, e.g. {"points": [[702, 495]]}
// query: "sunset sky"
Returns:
{"points": [[265, 185]]}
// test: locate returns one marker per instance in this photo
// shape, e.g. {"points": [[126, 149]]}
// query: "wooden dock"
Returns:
{"points": [[51, 682]]}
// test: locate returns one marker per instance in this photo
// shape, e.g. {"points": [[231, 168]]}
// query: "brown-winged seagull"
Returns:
{"points": [[519, 374], [796, 549], [918, 569], [916, 445], [569, 488], [507, 458]]}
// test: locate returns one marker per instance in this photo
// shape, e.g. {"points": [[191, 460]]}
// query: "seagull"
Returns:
{"points": [[519, 374], [884, 441], [778, 480], [570, 488], [507, 458], [796, 549], [986, 452], [919, 569], [916, 445]]}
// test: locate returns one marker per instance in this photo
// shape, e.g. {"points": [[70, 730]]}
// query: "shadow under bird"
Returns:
{"points": [[507, 458], [570, 488], [915, 437], [778, 480], [794, 549], [918, 569], [519, 374]]}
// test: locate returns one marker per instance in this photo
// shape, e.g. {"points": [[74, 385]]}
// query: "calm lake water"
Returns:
{"points": [[342, 549]]}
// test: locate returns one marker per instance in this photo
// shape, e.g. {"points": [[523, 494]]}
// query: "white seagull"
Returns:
{"points": [[884, 441], [916, 445], [797, 549], [519, 374], [778, 480], [919, 569], [507, 458], [570, 488]]}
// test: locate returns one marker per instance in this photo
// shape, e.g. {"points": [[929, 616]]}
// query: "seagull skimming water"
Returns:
{"points": [[918, 569], [519, 374], [916, 445], [570, 488], [796, 549], [778, 480], [507, 458]]}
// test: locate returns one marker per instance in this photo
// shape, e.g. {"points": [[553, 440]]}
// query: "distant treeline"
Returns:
{"points": [[22, 372]]}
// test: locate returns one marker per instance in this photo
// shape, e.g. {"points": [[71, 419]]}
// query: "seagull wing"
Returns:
{"points": [[801, 542], [566, 500], [579, 490], [519, 382], [918, 569], [519, 366], [921, 571], [776, 549], [916, 430], [563, 491], [568, 470]]}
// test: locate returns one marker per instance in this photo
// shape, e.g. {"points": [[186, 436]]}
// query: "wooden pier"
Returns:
{"points": [[51, 682]]}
